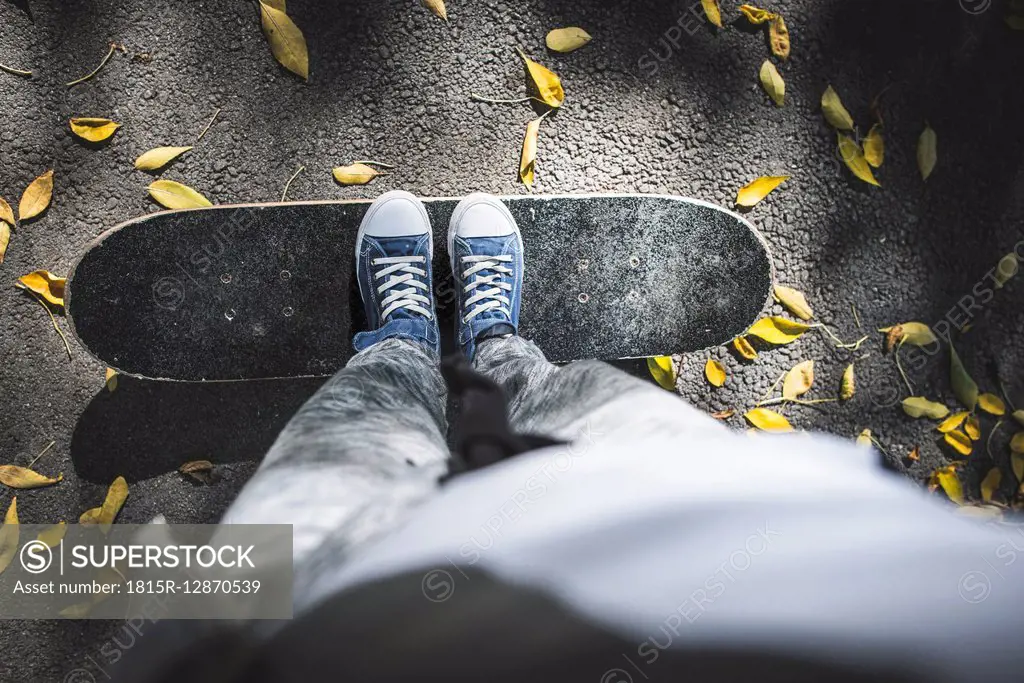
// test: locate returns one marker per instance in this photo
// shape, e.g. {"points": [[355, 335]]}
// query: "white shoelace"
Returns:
{"points": [[402, 272], [492, 297]]}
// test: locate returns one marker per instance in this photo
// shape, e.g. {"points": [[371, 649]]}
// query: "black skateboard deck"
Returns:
{"points": [[268, 290]]}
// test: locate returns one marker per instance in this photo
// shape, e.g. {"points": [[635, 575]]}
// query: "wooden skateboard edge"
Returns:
{"points": [[103, 236]]}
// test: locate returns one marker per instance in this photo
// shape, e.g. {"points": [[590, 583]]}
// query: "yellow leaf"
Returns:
{"points": [[756, 16], [992, 404], [5, 239], [927, 153], [972, 427], [874, 146], [915, 334], [36, 197], [798, 380], [778, 37], [93, 130], [545, 82], [53, 535], [768, 420], [854, 159], [794, 301], [753, 192], [919, 406], [744, 348], [111, 379], [528, 159], [158, 157], [90, 516], [964, 388], [835, 112], [715, 372], [952, 422], [712, 12], [950, 483], [1018, 415], [287, 43], [566, 39], [914, 454], [848, 385], [45, 284], [864, 439], [174, 195], [663, 371], [276, 4], [1017, 462], [990, 484], [107, 513], [355, 174], [24, 478], [777, 330], [6, 212], [1006, 269], [1017, 443], [437, 7], [771, 81], [9, 534]]}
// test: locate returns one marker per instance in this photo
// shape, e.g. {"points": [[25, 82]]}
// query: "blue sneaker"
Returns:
{"points": [[394, 247], [487, 261]]}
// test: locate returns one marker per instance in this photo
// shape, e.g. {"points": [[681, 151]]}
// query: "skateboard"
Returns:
{"points": [[260, 291]]}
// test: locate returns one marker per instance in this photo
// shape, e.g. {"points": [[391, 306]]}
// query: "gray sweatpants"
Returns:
{"points": [[370, 444]]}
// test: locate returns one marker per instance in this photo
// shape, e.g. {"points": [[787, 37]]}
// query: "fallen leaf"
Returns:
{"points": [[1017, 443], [778, 37], [174, 195], [864, 439], [768, 420], [544, 81], [848, 384], [276, 4], [200, 470], [992, 404], [90, 516], [744, 348], [287, 43], [105, 515], [964, 388], [798, 380], [9, 535], [528, 159], [53, 535], [36, 197], [854, 159], [835, 112], [1006, 269], [715, 372], [355, 174], [771, 81], [6, 212], [952, 422], [794, 301], [927, 153], [913, 333], [972, 427], [777, 330], [723, 414], [24, 478], [79, 610], [111, 379], [919, 406], [437, 7], [5, 239], [753, 192], [712, 12], [93, 130], [158, 157], [756, 16], [874, 146], [1017, 463], [663, 371], [1018, 415], [45, 284], [950, 483], [567, 39], [914, 454], [990, 484]]}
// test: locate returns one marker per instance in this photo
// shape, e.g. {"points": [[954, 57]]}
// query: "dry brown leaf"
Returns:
{"points": [[287, 43], [990, 484], [794, 301], [715, 372], [768, 420], [874, 146], [45, 284], [919, 406], [10, 533], [777, 330], [952, 422], [723, 414], [24, 478], [744, 348], [663, 371], [200, 470], [528, 159], [712, 12], [566, 39], [756, 16], [93, 130], [992, 404], [959, 441], [174, 195], [6, 212], [544, 82], [53, 535], [853, 157], [835, 112], [756, 190], [437, 7], [778, 37], [36, 197], [848, 384], [158, 157], [798, 380], [927, 153], [355, 174], [914, 454]]}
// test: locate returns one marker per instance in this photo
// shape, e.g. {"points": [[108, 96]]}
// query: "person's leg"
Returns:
{"points": [[370, 443]]}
